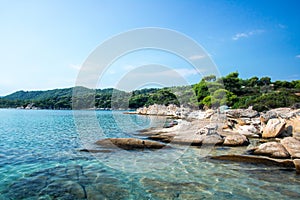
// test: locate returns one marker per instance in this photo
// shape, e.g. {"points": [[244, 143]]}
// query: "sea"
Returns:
{"points": [[43, 156]]}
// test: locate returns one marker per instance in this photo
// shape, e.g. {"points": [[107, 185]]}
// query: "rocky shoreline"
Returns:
{"points": [[272, 137]]}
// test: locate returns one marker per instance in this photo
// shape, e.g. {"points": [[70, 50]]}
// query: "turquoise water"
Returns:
{"points": [[40, 159]]}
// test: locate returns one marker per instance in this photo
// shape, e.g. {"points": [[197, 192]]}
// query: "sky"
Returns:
{"points": [[43, 44]]}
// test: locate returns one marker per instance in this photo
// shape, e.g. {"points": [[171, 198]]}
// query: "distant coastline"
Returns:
{"points": [[211, 92]]}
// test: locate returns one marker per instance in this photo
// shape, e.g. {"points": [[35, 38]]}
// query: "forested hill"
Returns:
{"points": [[210, 92], [48, 94], [62, 98], [39, 95]]}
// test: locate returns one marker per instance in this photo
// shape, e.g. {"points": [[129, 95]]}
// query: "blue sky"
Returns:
{"points": [[44, 43]]}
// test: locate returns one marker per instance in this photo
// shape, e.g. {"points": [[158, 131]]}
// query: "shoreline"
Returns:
{"points": [[279, 148]]}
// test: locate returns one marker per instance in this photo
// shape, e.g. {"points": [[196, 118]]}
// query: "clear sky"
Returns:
{"points": [[44, 43]]}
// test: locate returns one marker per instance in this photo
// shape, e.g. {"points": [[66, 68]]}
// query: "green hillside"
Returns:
{"points": [[210, 92]]}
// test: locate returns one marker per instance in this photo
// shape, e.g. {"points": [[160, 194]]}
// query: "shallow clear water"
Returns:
{"points": [[40, 159]]}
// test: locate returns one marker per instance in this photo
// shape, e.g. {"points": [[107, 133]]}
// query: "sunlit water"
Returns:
{"points": [[40, 159]]}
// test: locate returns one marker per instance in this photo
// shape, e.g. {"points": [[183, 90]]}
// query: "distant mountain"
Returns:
{"points": [[39, 95]]}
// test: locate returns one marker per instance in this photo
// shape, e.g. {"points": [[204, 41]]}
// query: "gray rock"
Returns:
{"points": [[283, 113], [242, 113], [248, 131], [292, 145], [265, 117], [208, 129], [211, 139], [272, 149], [236, 140]]}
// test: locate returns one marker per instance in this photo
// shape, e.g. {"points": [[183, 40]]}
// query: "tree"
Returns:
{"points": [[219, 98], [210, 78], [252, 82], [214, 86], [263, 81], [232, 82], [201, 91]]}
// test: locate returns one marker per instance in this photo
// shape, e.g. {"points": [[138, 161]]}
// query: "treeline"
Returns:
{"points": [[210, 92], [261, 93]]}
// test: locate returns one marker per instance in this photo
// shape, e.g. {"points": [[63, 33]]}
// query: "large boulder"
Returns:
{"points": [[293, 127], [212, 139], [292, 145], [273, 128], [235, 139], [241, 113], [198, 139], [130, 143], [272, 149], [286, 113], [283, 113], [248, 131]]}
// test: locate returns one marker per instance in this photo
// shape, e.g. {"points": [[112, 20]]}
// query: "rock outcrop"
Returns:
{"points": [[280, 122], [288, 163], [198, 140], [236, 140], [247, 130], [174, 111], [274, 128], [271, 149], [129, 143], [162, 110], [293, 127], [243, 121], [242, 113], [234, 127], [292, 145]]}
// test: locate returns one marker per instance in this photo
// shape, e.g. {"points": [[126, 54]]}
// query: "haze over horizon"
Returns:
{"points": [[44, 43]]}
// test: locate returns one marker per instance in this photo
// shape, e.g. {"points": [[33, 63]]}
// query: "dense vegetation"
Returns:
{"points": [[235, 92], [210, 92]]}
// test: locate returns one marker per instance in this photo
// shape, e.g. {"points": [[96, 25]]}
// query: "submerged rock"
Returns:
{"points": [[292, 145], [130, 143], [95, 150], [274, 128], [162, 137], [288, 163], [162, 189], [272, 149]]}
